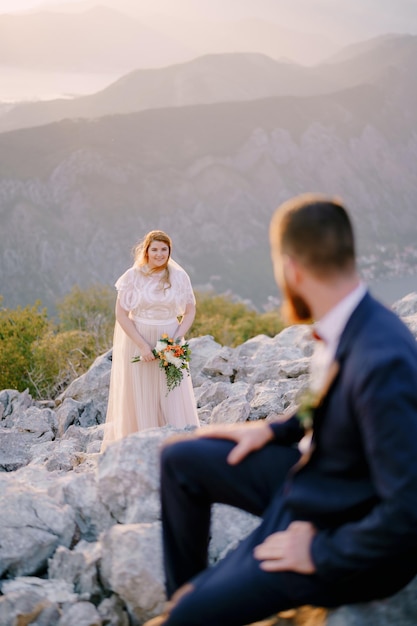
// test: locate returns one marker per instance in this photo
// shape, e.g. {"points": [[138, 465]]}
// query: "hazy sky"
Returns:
{"points": [[12, 6], [345, 20]]}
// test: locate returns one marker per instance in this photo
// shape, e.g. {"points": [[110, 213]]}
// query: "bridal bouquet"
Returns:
{"points": [[174, 357]]}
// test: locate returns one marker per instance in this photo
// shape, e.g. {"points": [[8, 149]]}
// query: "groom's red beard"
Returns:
{"points": [[294, 309]]}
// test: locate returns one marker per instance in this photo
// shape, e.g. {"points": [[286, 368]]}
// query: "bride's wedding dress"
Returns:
{"points": [[138, 395]]}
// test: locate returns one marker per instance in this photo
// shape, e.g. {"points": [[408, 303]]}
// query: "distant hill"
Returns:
{"points": [[368, 61], [224, 78], [363, 47], [208, 79], [76, 195]]}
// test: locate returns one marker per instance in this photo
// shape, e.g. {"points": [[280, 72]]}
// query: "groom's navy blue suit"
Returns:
{"points": [[359, 488]]}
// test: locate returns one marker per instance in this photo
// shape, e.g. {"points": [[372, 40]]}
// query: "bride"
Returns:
{"points": [[154, 297]]}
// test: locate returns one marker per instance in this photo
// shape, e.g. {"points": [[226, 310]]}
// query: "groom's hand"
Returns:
{"points": [[248, 437], [288, 550]]}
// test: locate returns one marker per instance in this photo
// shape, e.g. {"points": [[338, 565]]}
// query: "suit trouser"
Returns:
{"points": [[195, 474], [234, 592]]}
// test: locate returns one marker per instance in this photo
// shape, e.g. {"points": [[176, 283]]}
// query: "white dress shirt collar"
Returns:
{"points": [[331, 326]]}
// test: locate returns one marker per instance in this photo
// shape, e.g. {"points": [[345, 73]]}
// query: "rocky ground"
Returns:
{"points": [[80, 531]]}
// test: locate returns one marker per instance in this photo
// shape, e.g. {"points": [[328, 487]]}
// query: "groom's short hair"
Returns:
{"points": [[317, 231]]}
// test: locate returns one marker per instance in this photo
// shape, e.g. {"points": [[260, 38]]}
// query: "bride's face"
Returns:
{"points": [[158, 254]]}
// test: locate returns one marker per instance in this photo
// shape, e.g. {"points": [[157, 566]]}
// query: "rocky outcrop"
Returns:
{"points": [[80, 531]]}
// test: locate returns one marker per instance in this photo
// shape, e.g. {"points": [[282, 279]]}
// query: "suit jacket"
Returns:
{"points": [[359, 486]]}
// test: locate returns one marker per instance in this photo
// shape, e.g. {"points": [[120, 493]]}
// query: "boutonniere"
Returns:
{"points": [[308, 401]]}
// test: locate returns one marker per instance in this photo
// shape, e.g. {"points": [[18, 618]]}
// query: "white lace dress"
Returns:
{"points": [[138, 397]]}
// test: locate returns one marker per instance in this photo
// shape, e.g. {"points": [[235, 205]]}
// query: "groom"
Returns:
{"points": [[339, 522]]}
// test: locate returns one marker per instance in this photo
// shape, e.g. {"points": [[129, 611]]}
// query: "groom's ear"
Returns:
{"points": [[291, 271]]}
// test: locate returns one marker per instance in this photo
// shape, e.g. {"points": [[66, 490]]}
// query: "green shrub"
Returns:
{"points": [[20, 328], [90, 310], [59, 358], [231, 323]]}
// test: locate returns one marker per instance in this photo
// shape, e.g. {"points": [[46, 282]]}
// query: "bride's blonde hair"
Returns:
{"points": [[141, 255]]}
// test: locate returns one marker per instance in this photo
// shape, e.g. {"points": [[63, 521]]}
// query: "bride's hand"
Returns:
{"points": [[146, 354], [248, 437]]}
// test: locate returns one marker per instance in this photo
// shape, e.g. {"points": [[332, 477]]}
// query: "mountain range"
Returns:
{"points": [[75, 195], [75, 48], [223, 78]]}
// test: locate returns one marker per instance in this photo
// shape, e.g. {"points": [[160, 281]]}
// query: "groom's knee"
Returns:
{"points": [[175, 451]]}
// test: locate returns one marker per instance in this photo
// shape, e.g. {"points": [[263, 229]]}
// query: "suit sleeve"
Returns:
{"points": [[287, 432], [384, 402]]}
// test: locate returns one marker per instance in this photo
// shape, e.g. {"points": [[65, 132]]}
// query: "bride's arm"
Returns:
{"points": [[122, 316]]}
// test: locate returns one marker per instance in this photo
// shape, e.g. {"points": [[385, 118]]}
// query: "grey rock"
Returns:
{"points": [[85, 414], [232, 410], [204, 415], [92, 385], [113, 612], [91, 515], [21, 429], [228, 527], [251, 347], [62, 455], [202, 349], [221, 364], [67, 413], [79, 569], [57, 591], [407, 305], [15, 449], [80, 614], [212, 393], [131, 567], [411, 321], [38, 478], [257, 371], [297, 336], [32, 526], [32, 419], [270, 398], [406, 308], [12, 401], [92, 413], [86, 437], [128, 475], [28, 607], [284, 356]]}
